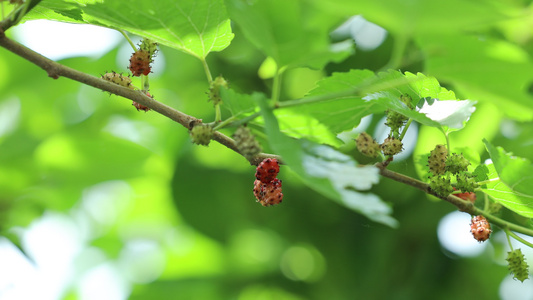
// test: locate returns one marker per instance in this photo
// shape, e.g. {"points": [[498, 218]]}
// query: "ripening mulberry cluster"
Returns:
{"points": [[369, 147], [267, 188], [142, 58], [443, 166], [139, 65]]}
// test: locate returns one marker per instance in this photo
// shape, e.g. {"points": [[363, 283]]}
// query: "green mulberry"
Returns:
{"points": [[437, 160], [201, 134], [517, 265], [246, 143], [367, 145]]}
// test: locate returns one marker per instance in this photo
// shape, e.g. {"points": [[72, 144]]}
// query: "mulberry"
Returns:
{"points": [[466, 182], [246, 143], [457, 163], [480, 228], [201, 134], [437, 160], [367, 145], [391, 146], [517, 265], [140, 63], [441, 186], [268, 193], [214, 89], [118, 78], [267, 170]]}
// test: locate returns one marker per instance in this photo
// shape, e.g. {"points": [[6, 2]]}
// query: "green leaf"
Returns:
{"points": [[515, 172], [197, 27], [517, 202], [329, 172], [419, 16], [56, 10], [345, 112], [237, 104], [284, 31], [425, 87], [300, 125], [491, 70], [442, 114]]}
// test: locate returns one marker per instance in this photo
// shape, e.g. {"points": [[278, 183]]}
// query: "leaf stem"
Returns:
{"points": [[447, 140], [206, 70], [507, 234], [276, 88], [404, 130], [487, 203], [218, 113], [220, 125], [319, 98], [17, 14], [488, 181], [518, 238], [128, 39]]}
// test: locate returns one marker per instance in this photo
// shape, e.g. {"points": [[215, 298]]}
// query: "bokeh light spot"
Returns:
{"points": [[302, 263], [57, 40], [454, 235]]}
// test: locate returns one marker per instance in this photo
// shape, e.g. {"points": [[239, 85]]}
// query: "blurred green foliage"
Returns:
{"points": [[66, 148]]}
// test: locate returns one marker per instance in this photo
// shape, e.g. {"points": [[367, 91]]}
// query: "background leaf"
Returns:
{"points": [[197, 27], [488, 69], [285, 31], [420, 16]]}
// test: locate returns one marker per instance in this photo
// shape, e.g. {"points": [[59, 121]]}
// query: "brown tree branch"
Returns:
{"points": [[56, 70], [462, 205]]}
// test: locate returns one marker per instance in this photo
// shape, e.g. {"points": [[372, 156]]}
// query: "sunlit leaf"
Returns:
{"points": [[479, 71], [341, 113], [282, 30], [452, 114], [520, 203], [344, 112], [515, 172], [197, 27]]}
